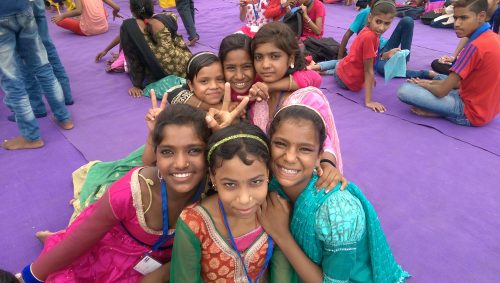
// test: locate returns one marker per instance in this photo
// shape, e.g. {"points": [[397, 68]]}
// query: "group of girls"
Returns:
{"points": [[155, 224]]}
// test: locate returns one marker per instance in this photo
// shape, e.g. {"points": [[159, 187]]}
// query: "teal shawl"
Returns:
{"points": [[384, 266]]}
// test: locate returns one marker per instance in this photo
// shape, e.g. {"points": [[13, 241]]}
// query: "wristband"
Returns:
{"points": [[28, 276], [328, 161]]}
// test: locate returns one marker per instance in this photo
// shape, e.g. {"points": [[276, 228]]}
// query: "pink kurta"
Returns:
{"points": [[107, 252]]}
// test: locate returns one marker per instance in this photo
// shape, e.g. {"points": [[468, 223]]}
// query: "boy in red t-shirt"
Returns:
{"points": [[356, 69], [471, 93]]}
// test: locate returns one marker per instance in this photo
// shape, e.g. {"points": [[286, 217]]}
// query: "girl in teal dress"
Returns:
{"points": [[331, 237]]}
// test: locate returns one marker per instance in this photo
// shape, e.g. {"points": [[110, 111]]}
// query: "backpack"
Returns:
{"points": [[322, 49], [293, 19]]}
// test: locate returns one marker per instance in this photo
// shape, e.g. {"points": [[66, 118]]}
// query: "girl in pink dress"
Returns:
{"points": [[128, 233], [276, 56]]}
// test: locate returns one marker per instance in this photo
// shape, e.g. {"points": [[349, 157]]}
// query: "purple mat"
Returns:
{"points": [[434, 193]]}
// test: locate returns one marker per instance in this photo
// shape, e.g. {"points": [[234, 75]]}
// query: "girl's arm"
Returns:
{"points": [[112, 44], [345, 39], [243, 10], [186, 255], [369, 81], [79, 239], [114, 6]]}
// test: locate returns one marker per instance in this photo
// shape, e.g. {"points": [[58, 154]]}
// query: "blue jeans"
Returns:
{"points": [[20, 42], [329, 68], [186, 11], [32, 85], [401, 37], [451, 107]]}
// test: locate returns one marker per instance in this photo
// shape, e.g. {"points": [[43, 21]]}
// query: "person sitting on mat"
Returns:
{"points": [[400, 39], [314, 18], [469, 96], [92, 15], [252, 13], [356, 68], [443, 64], [151, 45]]}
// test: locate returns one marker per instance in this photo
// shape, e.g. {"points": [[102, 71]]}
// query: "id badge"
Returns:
{"points": [[147, 265]]}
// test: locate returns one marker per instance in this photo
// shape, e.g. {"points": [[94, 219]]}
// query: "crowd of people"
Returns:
{"points": [[241, 175]]}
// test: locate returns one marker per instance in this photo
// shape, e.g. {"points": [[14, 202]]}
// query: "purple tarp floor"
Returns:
{"points": [[433, 183]]}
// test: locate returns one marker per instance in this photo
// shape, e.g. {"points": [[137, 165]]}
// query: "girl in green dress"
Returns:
{"points": [[331, 237]]}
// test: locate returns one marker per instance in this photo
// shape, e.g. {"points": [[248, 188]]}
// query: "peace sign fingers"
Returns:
{"points": [[227, 97]]}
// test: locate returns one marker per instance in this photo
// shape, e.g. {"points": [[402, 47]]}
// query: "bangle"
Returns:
{"points": [[328, 161], [290, 82], [28, 275]]}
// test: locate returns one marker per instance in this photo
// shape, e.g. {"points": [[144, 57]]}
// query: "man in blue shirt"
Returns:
{"points": [[20, 42]]}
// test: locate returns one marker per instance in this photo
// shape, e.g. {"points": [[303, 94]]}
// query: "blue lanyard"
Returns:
{"points": [[269, 253], [164, 209], [255, 10], [483, 28]]}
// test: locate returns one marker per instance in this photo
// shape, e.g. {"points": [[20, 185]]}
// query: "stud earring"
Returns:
{"points": [[214, 187], [292, 66]]}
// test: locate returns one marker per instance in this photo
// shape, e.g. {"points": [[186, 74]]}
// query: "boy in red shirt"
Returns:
{"points": [[356, 69], [471, 93]]}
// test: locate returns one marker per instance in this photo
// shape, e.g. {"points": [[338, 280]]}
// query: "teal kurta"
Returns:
{"points": [[344, 237]]}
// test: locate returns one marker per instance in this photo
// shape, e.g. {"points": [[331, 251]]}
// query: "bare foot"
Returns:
{"points": [[423, 113], [42, 235], [193, 41], [21, 143]]}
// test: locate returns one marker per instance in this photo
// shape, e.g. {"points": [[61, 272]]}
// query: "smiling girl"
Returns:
{"points": [[276, 55], [135, 219], [220, 238], [334, 236], [205, 81]]}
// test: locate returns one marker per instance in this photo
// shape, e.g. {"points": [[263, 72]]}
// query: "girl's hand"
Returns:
{"points": [[218, 119], [135, 92], [100, 55], [155, 110], [304, 9], [329, 177], [274, 215], [243, 3], [376, 106], [116, 14], [56, 19], [259, 91]]}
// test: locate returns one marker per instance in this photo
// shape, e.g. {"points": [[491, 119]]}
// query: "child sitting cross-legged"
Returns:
{"points": [[469, 96], [356, 69]]}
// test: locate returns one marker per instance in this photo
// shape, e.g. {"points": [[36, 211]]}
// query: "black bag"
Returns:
{"points": [[322, 49], [293, 19], [409, 11], [428, 17]]}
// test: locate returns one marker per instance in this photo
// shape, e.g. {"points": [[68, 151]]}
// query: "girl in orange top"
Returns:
{"points": [[93, 17]]}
